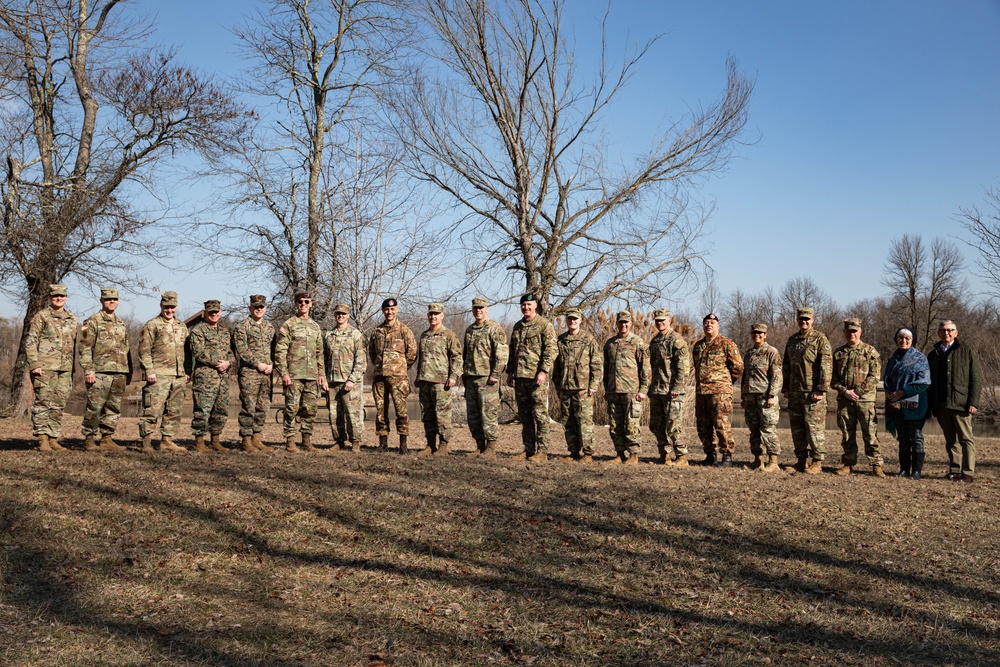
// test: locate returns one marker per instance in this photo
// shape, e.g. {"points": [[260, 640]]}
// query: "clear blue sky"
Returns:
{"points": [[873, 119]]}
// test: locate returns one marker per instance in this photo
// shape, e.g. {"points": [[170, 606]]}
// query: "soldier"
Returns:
{"points": [[211, 355], [759, 398], [805, 371], [298, 359], [393, 350], [626, 381], [717, 367], [107, 369], [857, 369], [484, 358], [161, 357], [252, 341], [670, 364], [532, 354], [577, 373], [439, 364], [344, 347], [50, 348]]}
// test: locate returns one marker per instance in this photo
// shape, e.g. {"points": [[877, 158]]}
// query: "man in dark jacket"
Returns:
{"points": [[956, 381]]}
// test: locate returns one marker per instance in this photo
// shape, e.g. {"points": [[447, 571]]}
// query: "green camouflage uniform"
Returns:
{"points": [[807, 367], [626, 373], [671, 366], [209, 388], [578, 370], [104, 353], [858, 368], [761, 381], [484, 356], [298, 353], [439, 359], [50, 346], [161, 353], [252, 342], [392, 349], [717, 366], [344, 350], [533, 349]]}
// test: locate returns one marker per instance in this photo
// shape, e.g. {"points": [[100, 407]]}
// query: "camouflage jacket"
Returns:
{"points": [[440, 356], [392, 349], [51, 341], [717, 365], [533, 348], [858, 368], [670, 363], [209, 345], [762, 371], [298, 349], [104, 345], [252, 342], [485, 350], [626, 365], [807, 364], [161, 347], [579, 365], [344, 351]]}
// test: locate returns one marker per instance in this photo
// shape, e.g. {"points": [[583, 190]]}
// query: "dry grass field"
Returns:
{"points": [[371, 559]]}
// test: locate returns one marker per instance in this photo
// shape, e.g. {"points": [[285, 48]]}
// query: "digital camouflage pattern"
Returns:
{"points": [[858, 368], [346, 361], [252, 345], [717, 365], [51, 341], [104, 352], [807, 366], [763, 424], [627, 373], [533, 350], [210, 345], [669, 363], [712, 413], [484, 357], [578, 370], [298, 350], [161, 347], [392, 349]]}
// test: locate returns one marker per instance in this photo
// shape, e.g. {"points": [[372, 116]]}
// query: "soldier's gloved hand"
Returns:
{"points": [[90, 378]]}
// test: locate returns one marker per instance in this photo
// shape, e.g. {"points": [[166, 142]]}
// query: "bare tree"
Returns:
{"points": [[87, 116], [985, 230], [500, 125], [803, 291]]}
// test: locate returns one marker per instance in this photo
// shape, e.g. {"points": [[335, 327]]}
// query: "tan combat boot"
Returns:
{"points": [[843, 471], [681, 461], [246, 443], [147, 444], [290, 444], [814, 468], [632, 460], [429, 449], [109, 445], [539, 457], [217, 443], [199, 444], [772, 464], [354, 447], [259, 444], [758, 462], [167, 445], [89, 444], [490, 453], [586, 458], [521, 456], [307, 442], [43, 443], [54, 444], [877, 471], [442, 448], [617, 459]]}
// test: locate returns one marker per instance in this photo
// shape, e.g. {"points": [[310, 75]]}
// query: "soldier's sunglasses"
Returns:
{"points": [[304, 301]]}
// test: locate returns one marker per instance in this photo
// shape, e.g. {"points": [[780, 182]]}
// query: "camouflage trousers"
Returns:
{"points": [[255, 400], [162, 398], [52, 388], [210, 395], [624, 415], [763, 424], [578, 420], [711, 412], [533, 412], [301, 402], [395, 389], [665, 422], [104, 404], [851, 415], [808, 422], [435, 410], [482, 409], [347, 412]]}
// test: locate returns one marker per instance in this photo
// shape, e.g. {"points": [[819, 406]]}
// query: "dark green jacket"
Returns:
{"points": [[956, 378]]}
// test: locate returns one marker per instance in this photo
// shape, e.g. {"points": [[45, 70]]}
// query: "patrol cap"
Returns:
{"points": [[710, 316], [57, 290], [852, 324], [480, 302], [168, 298], [258, 300], [435, 308], [623, 316], [109, 293], [804, 313], [303, 295], [341, 308], [213, 306], [528, 296], [759, 328], [574, 312], [390, 303], [661, 314]]}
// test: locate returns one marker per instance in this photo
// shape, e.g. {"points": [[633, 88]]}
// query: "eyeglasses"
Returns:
{"points": [[258, 307], [304, 301]]}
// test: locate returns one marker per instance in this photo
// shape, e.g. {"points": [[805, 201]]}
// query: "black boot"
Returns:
{"points": [[726, 461], [918, 465], [904, 462], [709, 459]]}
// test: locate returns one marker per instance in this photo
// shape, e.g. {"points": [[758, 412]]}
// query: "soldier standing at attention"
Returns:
{"points": [[857, 369], [107, 369], [759, 398], [806, 369], [670, 365], [50, 348], [533, 350], [439, 365], [484, 358], [717, 367], [298, 359], [626, 381], [344, 347], [211, 353], [393, 350], [577, 373], [252, 340], [161, 356]]}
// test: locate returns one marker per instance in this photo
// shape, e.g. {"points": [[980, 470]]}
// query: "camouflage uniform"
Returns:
{"points": [[671, 365], [439, 360], [858, 368], [161, 353], [717, 366], [298, 353], [761, 381], [533, 350], [210, 344], [50, 346], [578, 370], [806, 367], [484, 356], [104, 352], [392, 349], [345, 362], [252, 342], [626, 373]]}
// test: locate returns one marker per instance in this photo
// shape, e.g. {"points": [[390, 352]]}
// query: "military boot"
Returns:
{"points": [[109, 445], [758, 462], [167, 445], [490, 452], [681, 461], [199, 444], [586, 458], [147, 444], [355, 447], [54, 444], [290, 444], [877, 471], [632, 460], [402, 445], [383, 442], [307, 443], [814, 468], [539, 456], [616, 460], [726, 461], [246, 444], [429, 449], [89, 445], [259, 444], [843, 471], [442, 448], [217, 443], [709, 459], [43, 443], [772, 464], [521, 456], [918, 465]]}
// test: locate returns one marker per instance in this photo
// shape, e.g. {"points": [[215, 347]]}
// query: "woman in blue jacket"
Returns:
{"points": [[907, 377]]}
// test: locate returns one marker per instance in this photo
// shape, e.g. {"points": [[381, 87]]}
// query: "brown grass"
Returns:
{"points": [[373, 558]]}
